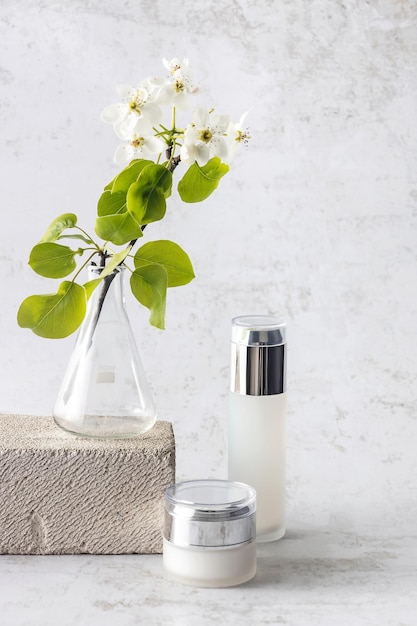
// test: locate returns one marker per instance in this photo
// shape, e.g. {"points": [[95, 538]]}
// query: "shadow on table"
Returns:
{"points": [[305, 559]]}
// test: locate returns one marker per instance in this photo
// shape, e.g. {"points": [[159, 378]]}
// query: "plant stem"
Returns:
{"points": [[83, 265], [174, 162], [107, 282], [87, 236]]}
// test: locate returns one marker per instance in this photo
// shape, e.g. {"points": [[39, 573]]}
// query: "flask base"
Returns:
{"points": [[106, 427]]}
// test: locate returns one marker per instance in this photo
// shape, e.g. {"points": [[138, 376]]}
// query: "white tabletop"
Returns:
{"points": [[315, 575]]}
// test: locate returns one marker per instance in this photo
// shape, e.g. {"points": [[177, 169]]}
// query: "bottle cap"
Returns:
{"points": [[258, 355], [258, 330]]}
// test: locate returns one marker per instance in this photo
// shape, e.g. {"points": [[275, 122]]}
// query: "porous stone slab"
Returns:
{"points": [[61, 494]]}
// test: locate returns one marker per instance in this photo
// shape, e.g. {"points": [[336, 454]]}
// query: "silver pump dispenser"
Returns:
{"points": [[258, 355]]}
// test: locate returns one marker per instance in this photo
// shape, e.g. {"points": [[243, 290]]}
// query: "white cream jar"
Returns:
{"points": [[210, 533]]}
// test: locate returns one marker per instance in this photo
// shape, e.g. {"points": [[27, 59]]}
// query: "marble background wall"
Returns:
{"points": [[316, 221]]}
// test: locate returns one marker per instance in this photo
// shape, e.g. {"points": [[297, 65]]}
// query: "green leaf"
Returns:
{"points": [[52, 260], [115, 223], [54, 316], [199, 182], [55, 228], [111, 203], [119, 229], [129, 175], [115, 260], [149, 286], [171, 257], [109, 186], [79, 236], [146, 197], [91, 285]]}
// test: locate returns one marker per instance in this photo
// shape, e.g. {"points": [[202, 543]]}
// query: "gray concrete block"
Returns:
{"points": [[61, 494]]}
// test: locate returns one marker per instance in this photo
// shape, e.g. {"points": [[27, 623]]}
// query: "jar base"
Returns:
{"points": [[227, 566], [209, 584]]}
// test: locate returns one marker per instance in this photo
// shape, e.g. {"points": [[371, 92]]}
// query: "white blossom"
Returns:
{"points": [[137, 118], [136, 111], [237, 135], [205, 137], [139, 147], [175, 65], [179, 88]]}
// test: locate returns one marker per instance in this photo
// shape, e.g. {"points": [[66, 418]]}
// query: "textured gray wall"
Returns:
{"points": [[317, 219]]}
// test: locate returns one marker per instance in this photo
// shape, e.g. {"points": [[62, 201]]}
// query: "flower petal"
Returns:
{"points": [[242, 120], [154, 144], [164, 93], [166, 64], [218, 147], [124, 91], [152, 113], [219, 123], [201, 117], [124, 154], [135, 125], [197, 152], [114, 113], [183, 100]]}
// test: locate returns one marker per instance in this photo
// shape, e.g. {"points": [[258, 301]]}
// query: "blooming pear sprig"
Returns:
{"points": [[151, 150], [137, 121]]}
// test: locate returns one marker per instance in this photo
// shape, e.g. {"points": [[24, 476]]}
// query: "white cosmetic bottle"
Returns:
{"points": [[257, 417]]}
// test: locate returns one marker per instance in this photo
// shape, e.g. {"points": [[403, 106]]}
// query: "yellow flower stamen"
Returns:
{"points": [[137, 142], [205, 135], [179, 86], [135, 104], [242, 137]]}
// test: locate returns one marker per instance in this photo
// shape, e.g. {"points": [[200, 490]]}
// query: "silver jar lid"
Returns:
{"points": [[210, 513]]}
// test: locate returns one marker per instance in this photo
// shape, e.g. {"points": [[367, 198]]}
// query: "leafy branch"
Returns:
{"points": [[135, 198]]}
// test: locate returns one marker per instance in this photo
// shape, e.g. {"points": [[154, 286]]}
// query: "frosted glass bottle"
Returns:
{"points": [[104, 392], [257, 417]]}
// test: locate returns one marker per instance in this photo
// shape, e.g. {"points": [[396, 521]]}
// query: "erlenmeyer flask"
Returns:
{"points": [[104, 393]]}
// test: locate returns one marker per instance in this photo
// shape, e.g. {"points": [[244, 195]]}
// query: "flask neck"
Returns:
{"points": [[109, 294]]}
